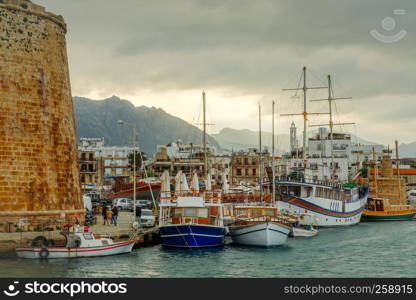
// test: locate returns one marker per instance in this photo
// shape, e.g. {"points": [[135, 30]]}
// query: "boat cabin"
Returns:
{"points": [[249, 211], [307, 190], [81, 237], [376, 204], [193, 210]]}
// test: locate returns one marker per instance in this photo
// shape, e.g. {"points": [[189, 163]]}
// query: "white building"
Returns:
{"points": [[113, 159], [181, 150]]}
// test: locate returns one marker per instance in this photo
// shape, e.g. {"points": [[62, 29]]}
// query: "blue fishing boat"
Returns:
{"points": [[188, 218]]}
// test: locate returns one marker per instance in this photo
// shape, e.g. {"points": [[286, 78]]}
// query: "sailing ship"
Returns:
{"points": [[387, 199], [333, 203]]}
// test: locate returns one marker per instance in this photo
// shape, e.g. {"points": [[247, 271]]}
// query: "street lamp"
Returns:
{"points": [[121, 122]]}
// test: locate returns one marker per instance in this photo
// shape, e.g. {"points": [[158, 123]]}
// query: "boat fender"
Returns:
{"points": [[44, 253]]}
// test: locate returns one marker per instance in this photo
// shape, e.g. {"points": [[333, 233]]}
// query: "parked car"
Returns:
{"points": [[123, 203], [143, 204], [148, 219]]}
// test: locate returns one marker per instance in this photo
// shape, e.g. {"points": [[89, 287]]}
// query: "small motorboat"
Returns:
{"points": [[76, 243], [303, 226], [304, 231]]}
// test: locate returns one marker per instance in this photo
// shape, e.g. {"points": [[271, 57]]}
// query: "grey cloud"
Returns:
{"points": [[251, 47]]}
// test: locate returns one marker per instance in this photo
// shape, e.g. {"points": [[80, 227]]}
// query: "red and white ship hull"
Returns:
{"points": [[63, 252]]}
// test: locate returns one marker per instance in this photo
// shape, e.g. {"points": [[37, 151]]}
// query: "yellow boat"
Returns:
{"points": [[387, 198]]}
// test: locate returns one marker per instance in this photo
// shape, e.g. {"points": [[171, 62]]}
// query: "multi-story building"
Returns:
{"points": [[90, 169], [245, 166], [180, 156], [100, 163]]}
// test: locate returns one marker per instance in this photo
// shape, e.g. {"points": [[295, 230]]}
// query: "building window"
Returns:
{"points": [[107, 171], [254, 172], [246, 172], [238, 172]]}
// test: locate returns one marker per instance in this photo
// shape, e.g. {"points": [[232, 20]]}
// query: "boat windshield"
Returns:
{"points": [[191, 212]]}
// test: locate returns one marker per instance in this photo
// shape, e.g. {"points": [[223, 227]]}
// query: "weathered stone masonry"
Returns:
{"points": [[39, 176]]}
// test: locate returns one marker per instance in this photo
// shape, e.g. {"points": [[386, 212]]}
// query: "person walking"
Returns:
{"points": [[104, 214], [109, 216], [139, 215], [115, 215]]}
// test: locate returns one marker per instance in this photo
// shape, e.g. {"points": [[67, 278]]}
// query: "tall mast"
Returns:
{"points": [[204, 138], [305, 113], [260, 156], [398, 171], [273, 103], [331, 124], [375, 172], [273, 171]]}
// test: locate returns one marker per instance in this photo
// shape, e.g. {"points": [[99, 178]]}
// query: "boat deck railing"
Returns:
{"points": [[329, 183], [277, 219], [246, 198], [209, 197]]}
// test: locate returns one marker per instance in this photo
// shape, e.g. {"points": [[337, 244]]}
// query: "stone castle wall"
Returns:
{"points": [[39, 175]]}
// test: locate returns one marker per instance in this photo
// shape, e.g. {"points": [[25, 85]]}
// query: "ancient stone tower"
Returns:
{"points": [[39, 176]]}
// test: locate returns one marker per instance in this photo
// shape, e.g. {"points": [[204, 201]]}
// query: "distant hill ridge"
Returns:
{"points": [[98, 118]]}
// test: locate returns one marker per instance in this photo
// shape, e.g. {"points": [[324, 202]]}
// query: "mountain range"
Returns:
{"points": [[99, 118]]}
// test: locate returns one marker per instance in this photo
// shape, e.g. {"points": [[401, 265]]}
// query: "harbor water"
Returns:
{"points": [[386, 249]]}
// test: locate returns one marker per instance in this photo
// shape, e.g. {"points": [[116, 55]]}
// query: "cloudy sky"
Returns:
{"points": [[242, 52]]}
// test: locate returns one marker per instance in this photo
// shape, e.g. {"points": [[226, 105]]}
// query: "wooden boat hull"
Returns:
{"points": [[263, 234], [62, 252], [370, 216], [191, 235]]}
